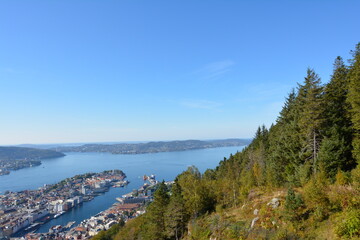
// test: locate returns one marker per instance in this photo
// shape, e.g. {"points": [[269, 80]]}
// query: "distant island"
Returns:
{"points": [[154, 147], [14, 158]]}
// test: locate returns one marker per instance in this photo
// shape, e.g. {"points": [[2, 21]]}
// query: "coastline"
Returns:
{"points": [[26, 208], [129, 206]]}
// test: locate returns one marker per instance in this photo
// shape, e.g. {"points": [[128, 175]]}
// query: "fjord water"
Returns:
{"points": [[165, 165]]}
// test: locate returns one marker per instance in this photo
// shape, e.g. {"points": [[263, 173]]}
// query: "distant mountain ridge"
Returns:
{"points": [[23, 153], [154, 147]]}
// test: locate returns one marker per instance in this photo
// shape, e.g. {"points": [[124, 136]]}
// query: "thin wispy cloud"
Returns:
{"points": [[215, 69], [200, 104]]}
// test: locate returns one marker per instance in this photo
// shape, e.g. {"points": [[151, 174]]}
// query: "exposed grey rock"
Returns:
{"points": [[256, 211], [253, 222], [274, 203]]}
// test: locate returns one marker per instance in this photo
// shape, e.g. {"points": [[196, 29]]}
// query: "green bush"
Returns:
{"points": [[343, 197], [355, 175], [284, 234], [238, 230], [348, 224], [293, 203]]}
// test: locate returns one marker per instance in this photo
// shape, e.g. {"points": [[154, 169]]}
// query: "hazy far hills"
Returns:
{"points": [[153, 147]]}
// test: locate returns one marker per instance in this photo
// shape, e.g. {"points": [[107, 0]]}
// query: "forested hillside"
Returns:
{"points": [[22, 153], [299, 179]]}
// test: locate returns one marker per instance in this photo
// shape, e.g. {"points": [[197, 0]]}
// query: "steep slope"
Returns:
{"points": [[299, 179]]}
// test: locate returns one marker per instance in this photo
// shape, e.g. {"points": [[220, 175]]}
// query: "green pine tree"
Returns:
{"points": [[335, 150], [176, 215], [154, 227], [311, 116], [284, 145], [354, 100], [293, 203]]}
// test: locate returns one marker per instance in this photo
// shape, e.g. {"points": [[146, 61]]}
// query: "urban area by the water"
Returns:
{"points": [[22, 213]]}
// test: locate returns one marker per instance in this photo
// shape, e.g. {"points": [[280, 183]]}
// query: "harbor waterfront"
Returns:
{"points": [[164, 165], [26, 210]]}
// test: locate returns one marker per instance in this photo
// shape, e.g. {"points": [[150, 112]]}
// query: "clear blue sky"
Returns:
{"points": [[92, 71]]}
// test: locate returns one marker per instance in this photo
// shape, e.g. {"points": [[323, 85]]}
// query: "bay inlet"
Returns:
{"points": [[165, 165]]}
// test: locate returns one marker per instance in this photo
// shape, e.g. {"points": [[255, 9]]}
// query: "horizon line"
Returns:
{"points": [[115, 142]]}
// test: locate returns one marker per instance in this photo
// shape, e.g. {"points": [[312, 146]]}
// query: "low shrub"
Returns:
{"points": [[348, 224]]}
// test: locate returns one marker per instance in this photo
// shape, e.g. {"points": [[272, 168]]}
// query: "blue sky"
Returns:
{"points": [[93, 71]]}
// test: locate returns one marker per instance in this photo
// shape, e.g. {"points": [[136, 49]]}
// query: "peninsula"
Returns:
{"points": [[14, 158]]}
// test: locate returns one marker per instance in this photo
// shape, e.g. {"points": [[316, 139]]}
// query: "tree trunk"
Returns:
{"points": [[314, 154]]}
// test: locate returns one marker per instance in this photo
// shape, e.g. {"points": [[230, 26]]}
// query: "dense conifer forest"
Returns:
{"points": [[298, 179]]}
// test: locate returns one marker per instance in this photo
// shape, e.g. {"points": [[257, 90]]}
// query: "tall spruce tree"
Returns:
{"points": [[335, 150], [154, 228], [284, 145], [176, 215], [311, 116], [354, 100]]}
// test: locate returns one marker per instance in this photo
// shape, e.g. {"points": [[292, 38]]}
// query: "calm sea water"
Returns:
{"points": [[166, 165]]}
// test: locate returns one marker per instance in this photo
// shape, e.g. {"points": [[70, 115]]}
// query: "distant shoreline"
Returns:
{"points": [[156, 152], [153, 147], [15, 158]]}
